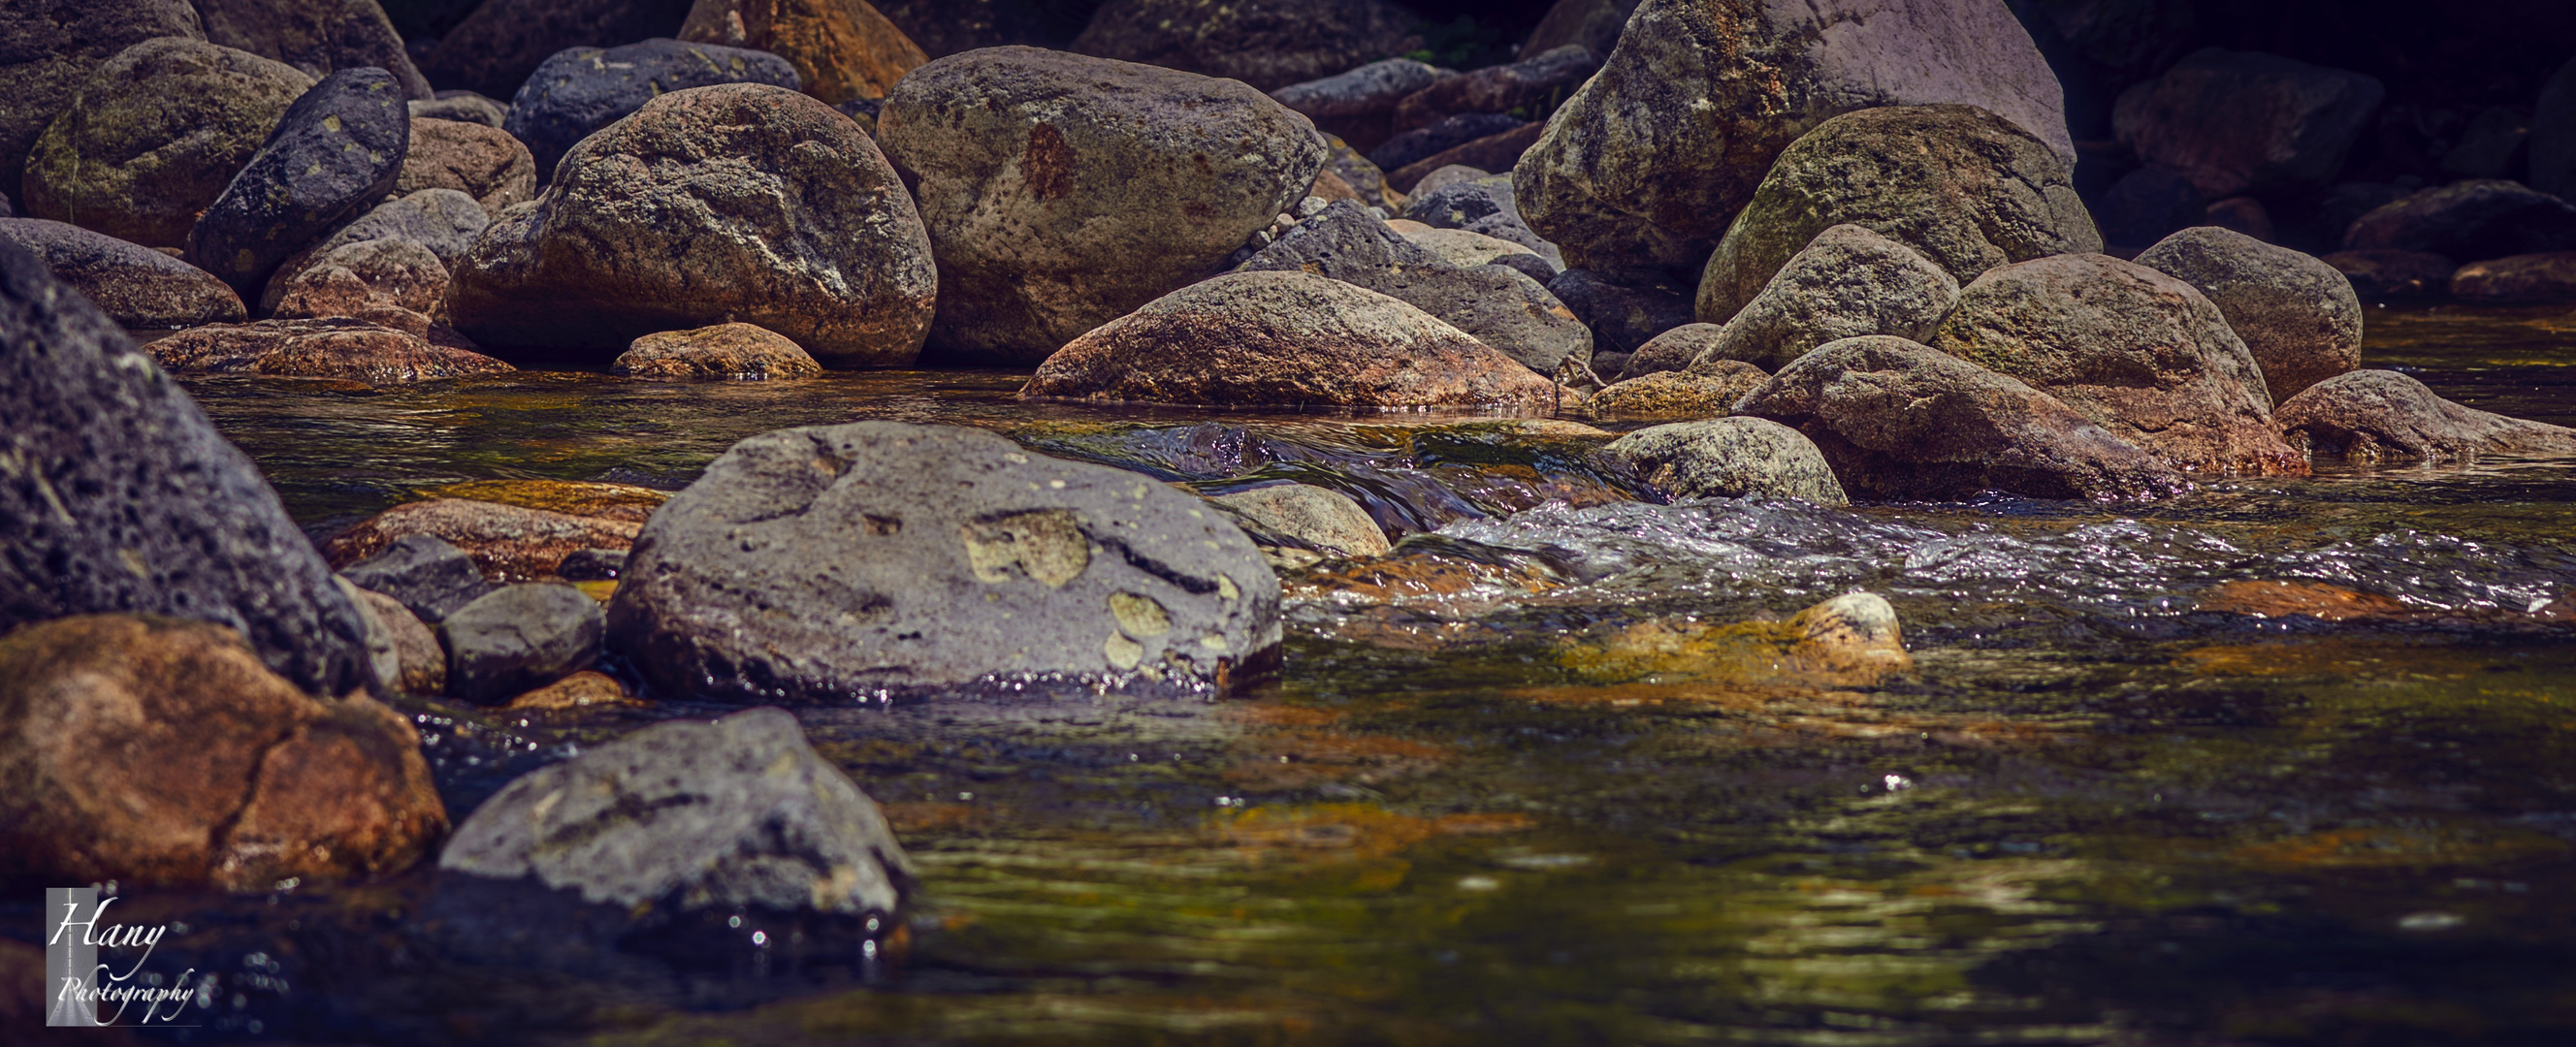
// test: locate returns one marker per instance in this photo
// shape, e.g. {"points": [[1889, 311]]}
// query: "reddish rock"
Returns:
{"points": [[2517, 279], [722, 351], [2375, 415], [354, 278], [843, 50], [482, 162], [337, 347], [510, 543], [1710, 393]]}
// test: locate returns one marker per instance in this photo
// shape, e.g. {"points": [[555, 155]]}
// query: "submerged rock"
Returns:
{"points": [[736, 350], [519, 637], [334, 154], [1729, 458], [2376, 415], [134, 285], [336, 347], [1846, 283], [582, 90], [510, 543], [2297, 315], [1852, 633]]}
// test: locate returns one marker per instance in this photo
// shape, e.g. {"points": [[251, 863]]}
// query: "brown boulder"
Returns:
{"points": [[510, 543], [1675, 349], [482, 162], [337, 347], [354, 278], [420, 666], [722, 351], [134, 285], [2517, 280], [843, 50], [2297, 315], [2383, 274], [53, 46], [604, 501], [2375, 415]]}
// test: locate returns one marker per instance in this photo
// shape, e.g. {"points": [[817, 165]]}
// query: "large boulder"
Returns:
{"points": [[1846, 283], [153, 137], [1963, 186], [2376, 415], [134, 285], [320, 37], [1062, 192], [1645, 164], [2237, 122], [742, 201], [1483, 205], [496, 48], [1729, 458], [48, 49], [2143, 354], [580, 90], [930, 560], [117, 495], [349, 348], [1269, 44], [333, 155], [2298, 316], [482, 162], [2468, 221], [1286, 339], [1901, 420], [843, 50], [157, 751], [1524, 85]]}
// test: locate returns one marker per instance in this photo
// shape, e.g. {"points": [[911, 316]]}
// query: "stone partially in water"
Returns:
{"points": [[1325, 519], [2520, 279], [2297, 315], [423, 573], [420, 666], [1846, 283], [134, 285], [2470, 221], [2382, 274], [1675, 349], [735, 350], [1709, 391], [846, 563], [517, 638], [2375, 415], [1729, 458], [336, 347], [1852, 633], [511, 543]]}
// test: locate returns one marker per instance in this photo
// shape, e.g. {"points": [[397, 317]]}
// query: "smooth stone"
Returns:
{"points": [[334, 154], [2470, 221], [482, 162], [509, 543], [1846, 283], [2296, 314], [1625, 310], [2382, 275], [843, 50], [52, 46], [134, 285], [333, 347], [419, 665], [736, 350], [424, 573], [1268, 45], [497, 48], [517, 638], [319, 37], [1675, 349], [1323, 519], [1856, 632], [2240, 214], [582, 90], [2517, 279], [1522, 85], [355, 278], [1729, 458], [1414, 146], [1709, 392], [2373, 416], [2237, 122], [1462, 248]]}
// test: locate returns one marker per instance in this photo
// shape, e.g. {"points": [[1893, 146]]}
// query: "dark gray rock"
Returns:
{"points": [[1364, 177], [2468, 221], [1495, 152], [1523, 85], [443, 222], [465, 107], [1534, 266], [1486, 206], [1357, 104], [7, 210], [2490, 144], [2377, 415], [2387, 275], [117, 495], [518, 638], [592, 565], [2246, 122], [583, 89], [1269, 44], [1624, 309], [335, 152], [1848, 282], [319, 37], [495, 49], [422, 572], [2147, 205], [1595, 24], [1729, 458], [1421, 143], [134, 285], [853, 562], [2298, 316], [47, 47]]}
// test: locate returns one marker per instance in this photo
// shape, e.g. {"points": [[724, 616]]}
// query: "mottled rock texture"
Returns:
{"points": [[334, 347], [333, 155], [134, 285], [1729, 458], [736, 350], [843, 50], [580, 90], [153, 136], [482, 162], [2378, 415], [1846, 283], [49, 47], [320, 37], [2298, 316]]}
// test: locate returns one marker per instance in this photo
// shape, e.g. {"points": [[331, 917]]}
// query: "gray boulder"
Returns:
{"points": [[2377, 415], [583, 89], [464, 107], [1964, 187], [1644, 164], [688, 815], [333, 154], [1729, 458], [1062, 192], [518, 638], [1846, 283], [1269, 44], [845, 564], [424, 573], [2238, 122], [320, 37], [1522, 85], [1901, 420], [1485, 205], [1323, 519], [1675, 349], [1359, 104], [2468, 221], [134, 285], [117, 495], [398, 253], [2298, 316], [49, 47]]}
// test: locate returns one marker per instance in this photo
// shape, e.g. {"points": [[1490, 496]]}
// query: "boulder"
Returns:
{"points": [[2298, 316], [342, 347], [320, 37], [356, 279], [1900, 420], [2147, 205], [154, 135], [1462, 248], [737, 202], [1496, 152], [51, 48], [2247, 122], [518, 638], [1593, 24], [583, 89], [1062, 192], [2512, 280], [427, 576], [1729, 458], [932, 560], [1526, 85], [154, 751], [333, 155], [510, 543], [1486, 205], [1446, 175], [419, 666], [2377, 415], [1324, 519], [1853, 633], [1846, 283], [687, 815], [1709, 392], [1360, 104], [1269, 44], [1500, 307], [134, 285], [2553, 134], [482, 162], [2142, 354], [1964, 187], [2469, 221], [1624, 309], [1675, 349], [445, 221], [117, 495], [1414, 146], [1285, 338], [733, 350], [464, 107], [1645, 164], [499, 46], [843, 50], [2383, 275]]}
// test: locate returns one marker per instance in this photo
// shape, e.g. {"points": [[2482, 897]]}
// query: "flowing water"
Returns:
{"points": [[1513, 787]]}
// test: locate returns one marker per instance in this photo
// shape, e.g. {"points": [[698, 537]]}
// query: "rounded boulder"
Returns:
{"points": [[2299, 317]]}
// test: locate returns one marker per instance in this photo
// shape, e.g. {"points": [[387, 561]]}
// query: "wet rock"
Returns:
{"points": [[1269, 44], [1675, 349], [1496, 152], [2298, 316], [584, 688], [1323, 519], [1646, 163], [1414, 146], [519, 637], [52, 46], [1524, 85], [1500, 307], [1624, 310], [1462, 248], [134, 285], [154, 135], [2141, 353], [319, 37], [1846, 283], [1363, 177], [932, 559], [2377, 415], [1360, 104], [1486, 205], [657, 223], [510, 543], [334, 347], [499, 46], [842, 51], [592, 565], [2384, 275], [464, 107], [482, 162], [118, 495], [1283, 338], [2512, 280], [687, 815], [424, 573], [418, 665], [1901, 420], [1055, 209], [156, 751], [2247, 122], [1709, 392], [1852, 633], [584, 89], [591, 498], [1964, 187], [2469, 221], [740, 351], [2147, 205], [1729, 458], [334, 154], [1594, 24]]}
